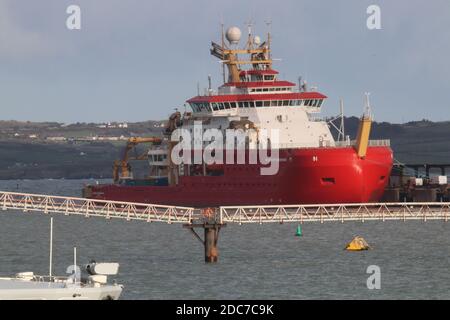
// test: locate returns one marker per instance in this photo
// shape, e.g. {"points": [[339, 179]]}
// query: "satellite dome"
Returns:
{"points": [[233, 35], [257, 40]]}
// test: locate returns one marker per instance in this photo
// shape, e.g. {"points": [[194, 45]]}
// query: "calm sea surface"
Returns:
{"points": [[159, 261]]}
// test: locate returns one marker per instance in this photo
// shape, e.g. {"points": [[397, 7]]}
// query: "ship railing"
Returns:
{"points": [[337, 144], [380, 143], [372, 143]]}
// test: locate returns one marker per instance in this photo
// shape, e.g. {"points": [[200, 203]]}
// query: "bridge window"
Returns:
{"points": [[221, 107], [226, 105], [285, 102], [233, 104], [195, 107], [259, 103], [215, 106], [269, 77]]}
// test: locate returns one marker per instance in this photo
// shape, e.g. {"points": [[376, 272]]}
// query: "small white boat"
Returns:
{"points": [[91, 285], [90, 282]]}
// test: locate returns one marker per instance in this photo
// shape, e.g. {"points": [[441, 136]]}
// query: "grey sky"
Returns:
{"points": [[136, 60]]}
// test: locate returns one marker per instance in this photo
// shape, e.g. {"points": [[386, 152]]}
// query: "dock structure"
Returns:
{"points": [[95, 208], [211, 220], [336, 212], [426, 167]]}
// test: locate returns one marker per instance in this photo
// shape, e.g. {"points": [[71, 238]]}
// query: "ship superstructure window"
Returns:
{"points": [[200, 106], [269, 77], [216, 106], [158, 157], [270, 89], [314, 103]]}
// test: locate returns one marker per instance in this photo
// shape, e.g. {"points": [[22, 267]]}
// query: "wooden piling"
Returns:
{"points": [[211, 229], [210, 239]]}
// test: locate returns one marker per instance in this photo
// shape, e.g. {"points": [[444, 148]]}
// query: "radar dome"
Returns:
{"points": [[233, 35], [257, 40]]}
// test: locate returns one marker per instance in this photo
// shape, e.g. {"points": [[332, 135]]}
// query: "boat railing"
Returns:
{"points": [[372, 143], [337, 144]]}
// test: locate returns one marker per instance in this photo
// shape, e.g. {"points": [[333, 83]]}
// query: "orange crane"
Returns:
{"points": [[123, 164]]}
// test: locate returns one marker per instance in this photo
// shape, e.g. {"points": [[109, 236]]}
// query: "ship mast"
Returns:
{"points": [[223, 45], [260, 57]]}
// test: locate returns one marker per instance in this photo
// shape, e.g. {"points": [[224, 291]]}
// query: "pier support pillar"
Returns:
{"points": [[210, 239], [210, 243]]}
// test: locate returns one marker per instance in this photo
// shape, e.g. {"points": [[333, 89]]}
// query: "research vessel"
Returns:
{"points": [[312, 166]]}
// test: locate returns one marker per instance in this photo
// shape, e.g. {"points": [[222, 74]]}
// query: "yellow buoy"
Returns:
{"points": [[357, 244]]}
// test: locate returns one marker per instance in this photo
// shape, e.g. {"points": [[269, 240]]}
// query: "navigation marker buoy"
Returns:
{"points": [[299, 233], [357, 244]]}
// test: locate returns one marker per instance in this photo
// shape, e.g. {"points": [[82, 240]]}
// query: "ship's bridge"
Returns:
{"points": [[256, 75], [257, 95], [309, 102]]}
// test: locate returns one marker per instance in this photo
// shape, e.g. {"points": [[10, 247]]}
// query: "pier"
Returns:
{"points": [[426, 167], [211, 220], [95, 208]]}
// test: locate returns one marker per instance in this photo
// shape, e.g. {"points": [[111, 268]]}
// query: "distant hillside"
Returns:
{"points": [[419, 141], [24, 158]]}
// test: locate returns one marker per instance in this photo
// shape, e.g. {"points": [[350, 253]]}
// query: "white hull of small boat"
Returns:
{"points": [[15, 289]]}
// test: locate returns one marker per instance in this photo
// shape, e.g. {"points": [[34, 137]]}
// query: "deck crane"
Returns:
{"points": [[123, 165]]}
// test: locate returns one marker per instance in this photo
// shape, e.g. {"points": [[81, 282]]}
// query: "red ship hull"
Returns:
{"points": [[305, 176]]}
